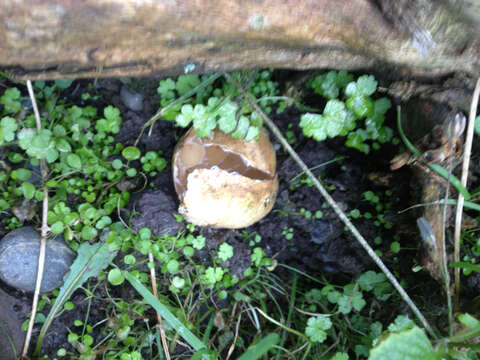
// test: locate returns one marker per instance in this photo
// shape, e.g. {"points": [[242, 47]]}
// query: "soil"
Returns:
{"points": [[320, 246]]}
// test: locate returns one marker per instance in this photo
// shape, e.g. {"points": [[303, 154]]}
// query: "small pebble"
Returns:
{"points": [[27, 104], [320, 233], [19, 260], [131, 99]]}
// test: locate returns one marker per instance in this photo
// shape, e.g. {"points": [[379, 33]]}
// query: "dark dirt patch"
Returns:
{"points": [[13, 312]]}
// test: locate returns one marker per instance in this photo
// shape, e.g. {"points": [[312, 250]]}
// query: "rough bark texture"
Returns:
{"points": [[46, 39]]}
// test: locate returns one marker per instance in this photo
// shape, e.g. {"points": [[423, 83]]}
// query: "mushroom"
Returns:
{"points": [[224, 182]]}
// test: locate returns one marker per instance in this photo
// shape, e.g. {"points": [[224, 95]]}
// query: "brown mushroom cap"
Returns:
{"points": [[224, 182]]}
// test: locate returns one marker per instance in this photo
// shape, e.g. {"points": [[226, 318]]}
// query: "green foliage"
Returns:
{"points": [[262, 347], [477, 125], [152, 163], [218, 108], [317, 327], [225, 252], [196, 275], [331, 83], [11, 100], [334, 121], [115, 276], [38, 144], [409, 344], [340, 356], [131, 153], [86, 171], [8, 126], [342, 114], [90, 261]]}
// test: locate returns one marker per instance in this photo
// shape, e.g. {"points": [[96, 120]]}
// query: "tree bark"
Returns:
{"points": [[47, 39]]}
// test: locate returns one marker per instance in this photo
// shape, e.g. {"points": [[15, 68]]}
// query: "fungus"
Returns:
{"points": [[224, 182]]}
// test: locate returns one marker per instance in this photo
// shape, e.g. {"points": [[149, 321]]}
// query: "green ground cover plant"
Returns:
{"points": [[307, 318]]}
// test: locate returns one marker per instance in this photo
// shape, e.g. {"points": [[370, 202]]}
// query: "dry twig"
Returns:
{"points": [[44, 230], [466, 163], [153, 279]]}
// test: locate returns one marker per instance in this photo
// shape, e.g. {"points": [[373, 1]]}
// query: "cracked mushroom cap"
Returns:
{"points": [[224, 182]]}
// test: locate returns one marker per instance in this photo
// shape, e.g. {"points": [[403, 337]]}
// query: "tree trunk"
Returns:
{"points": [[47, 39]]}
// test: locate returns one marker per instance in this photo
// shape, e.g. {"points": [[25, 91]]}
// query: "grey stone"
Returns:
{"points": [[131, 99], [19, 260]]}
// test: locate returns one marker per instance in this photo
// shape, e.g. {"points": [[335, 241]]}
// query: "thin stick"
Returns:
{"points": [[278, 134], [466, 163], [446, 274], [153, 279], [237, 327], [44, 231]]}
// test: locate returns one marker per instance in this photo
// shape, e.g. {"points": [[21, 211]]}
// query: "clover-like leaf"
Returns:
{"points": [[242, 128], [11, 100], [366, 85], [361, 105], [381, 106], [225, 252], [370, 279], [185, 117], [227, 117], [411, 344], [166, 89], [185, 83], [317, 327], [38, 144], [74, 161], [8, 126], [401, 323], [331, 123], [340, 356], [213, 275], [203, 122], [113, 119], [357, 139], [252, 133]]}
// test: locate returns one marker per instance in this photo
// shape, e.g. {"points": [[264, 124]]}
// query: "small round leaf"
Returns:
{"points": [[131, 153], [74, 161], [115, 277]]}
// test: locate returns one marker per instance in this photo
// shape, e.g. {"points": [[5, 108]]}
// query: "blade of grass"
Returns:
{"points": [[301, 173], [262, 347], [465, 265], [467, 204], [172, 320], [472, 333], [290, 310]]}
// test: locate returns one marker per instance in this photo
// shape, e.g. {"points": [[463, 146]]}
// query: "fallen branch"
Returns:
{"points": [[44, 230]]}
